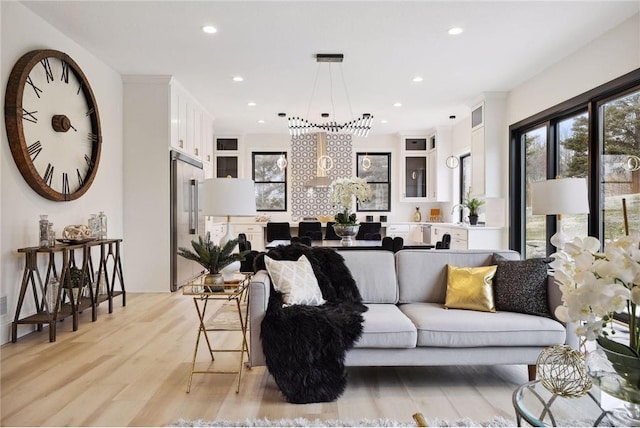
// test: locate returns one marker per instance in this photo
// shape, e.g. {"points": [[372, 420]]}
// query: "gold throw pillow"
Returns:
{"points": [[470, 288]]}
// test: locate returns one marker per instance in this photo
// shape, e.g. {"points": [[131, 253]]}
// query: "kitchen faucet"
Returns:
{"points": [[465, 218]]}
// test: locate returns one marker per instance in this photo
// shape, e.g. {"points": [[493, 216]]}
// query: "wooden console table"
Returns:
{"points": [[64, 304]]}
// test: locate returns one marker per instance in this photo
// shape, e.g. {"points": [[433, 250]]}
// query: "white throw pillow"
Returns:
{"points": [[295, 280]]}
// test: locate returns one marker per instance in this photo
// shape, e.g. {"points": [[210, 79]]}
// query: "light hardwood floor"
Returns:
{"points": [[131, 367]]}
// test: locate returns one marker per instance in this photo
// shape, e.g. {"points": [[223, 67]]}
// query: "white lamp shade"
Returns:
{"points": [[560, 196], [229, 197]]}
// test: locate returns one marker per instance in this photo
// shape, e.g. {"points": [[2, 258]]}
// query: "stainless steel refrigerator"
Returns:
{"points": [[187, 220]]}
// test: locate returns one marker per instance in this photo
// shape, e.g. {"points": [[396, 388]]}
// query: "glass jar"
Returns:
{"points": [[52, 236], [94, 226], [44, 231], [102, 221], [52, 294]]}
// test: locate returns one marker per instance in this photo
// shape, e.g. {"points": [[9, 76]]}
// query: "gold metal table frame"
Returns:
{"points": [[236, 291]]}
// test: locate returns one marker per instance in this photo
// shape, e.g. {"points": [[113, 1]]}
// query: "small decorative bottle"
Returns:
{"points": [[417, 216], [52, 236], [103, 225], [44, 231]]}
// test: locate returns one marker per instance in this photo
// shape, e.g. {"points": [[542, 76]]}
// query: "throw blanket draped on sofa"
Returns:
{"points": [[305, 346]]}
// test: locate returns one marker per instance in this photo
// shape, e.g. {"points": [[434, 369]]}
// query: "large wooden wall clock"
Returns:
{"points": [[53, 126]]}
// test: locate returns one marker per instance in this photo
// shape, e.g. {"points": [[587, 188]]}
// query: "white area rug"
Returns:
{"points": [[303, 422]]}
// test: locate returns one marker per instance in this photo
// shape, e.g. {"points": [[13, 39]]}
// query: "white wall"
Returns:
{"points": [[23, 31], [616, 53]]}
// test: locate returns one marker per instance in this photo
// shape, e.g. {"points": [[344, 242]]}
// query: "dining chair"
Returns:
{"points": [[370, 231], [445, 244], [398, 243], [330, 234], [387, 243], [278, 231], [312, 229]]}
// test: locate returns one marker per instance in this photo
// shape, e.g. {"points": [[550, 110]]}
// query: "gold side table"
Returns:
{"points": [[234, 291]]}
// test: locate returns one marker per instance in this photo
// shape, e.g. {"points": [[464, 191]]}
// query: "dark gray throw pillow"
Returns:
{"points": [[521, 286]]}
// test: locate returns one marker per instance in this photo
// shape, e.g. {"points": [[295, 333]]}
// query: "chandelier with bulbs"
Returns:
{"points": [[359, 126]]}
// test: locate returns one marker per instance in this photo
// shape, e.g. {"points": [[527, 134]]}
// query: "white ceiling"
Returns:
{"points": [[272, 44]]}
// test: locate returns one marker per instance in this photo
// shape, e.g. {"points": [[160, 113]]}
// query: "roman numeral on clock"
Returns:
{"points": [[88, 160], [29, 115], [65, 71], [37, 90], [92, 138], [48, 174], [47, 69], [34, 150], [65, 184], [80, 179], [80, 86], [90, 112]]}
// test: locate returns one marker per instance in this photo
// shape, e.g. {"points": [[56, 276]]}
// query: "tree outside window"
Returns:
{"points": [[270, 182]]}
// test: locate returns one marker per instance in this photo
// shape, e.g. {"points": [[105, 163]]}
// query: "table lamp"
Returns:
{"points": [[229, 197], [557, 197]]}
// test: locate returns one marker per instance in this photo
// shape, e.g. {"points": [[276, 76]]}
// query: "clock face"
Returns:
{"points": [[53, 124]]}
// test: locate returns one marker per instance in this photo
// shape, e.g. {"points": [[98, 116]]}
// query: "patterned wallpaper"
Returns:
{"points": [[311, 202]]}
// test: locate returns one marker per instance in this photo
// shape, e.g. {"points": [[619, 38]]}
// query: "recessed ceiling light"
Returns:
{"points": [[397, 104], [251, 104], [209, 29], [260, 121], [454, 31], [417, 79], [238, 79], [384, 121]]}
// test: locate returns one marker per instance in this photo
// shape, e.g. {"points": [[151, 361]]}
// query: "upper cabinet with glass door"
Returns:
{"points": [[413, 169], [226, 157]]}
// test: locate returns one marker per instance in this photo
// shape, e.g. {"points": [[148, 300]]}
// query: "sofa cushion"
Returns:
{"points": [[470, 288], [422, 274], [374, 273], [457, 328], [295, 280], [521, 285], [385, 326]]}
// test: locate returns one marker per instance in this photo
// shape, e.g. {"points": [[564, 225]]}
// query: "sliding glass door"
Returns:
{"points": [[620, 178], [594, 135]]}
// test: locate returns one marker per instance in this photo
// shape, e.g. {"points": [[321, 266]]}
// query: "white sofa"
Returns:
{"points": [[407, 325]]}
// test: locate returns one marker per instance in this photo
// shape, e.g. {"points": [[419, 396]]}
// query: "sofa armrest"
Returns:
{"points": [[554, 298], [259, 290]]}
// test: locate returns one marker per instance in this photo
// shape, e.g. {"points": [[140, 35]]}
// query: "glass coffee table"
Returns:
{"points": [[540, 407]]}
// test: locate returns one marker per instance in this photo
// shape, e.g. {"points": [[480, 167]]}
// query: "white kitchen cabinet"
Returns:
{"points": [[413, 169], [468, 238], [408, 232], [488, 139], [254, 232], [424, 175], [191, 126]]}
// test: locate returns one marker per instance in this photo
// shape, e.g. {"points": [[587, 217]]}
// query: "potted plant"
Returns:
{"points": [[343, 193], [213, 258], [75, 280], [473, 204]]}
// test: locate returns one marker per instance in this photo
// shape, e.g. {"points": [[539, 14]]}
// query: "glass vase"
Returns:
{"points": [[619, 376]]}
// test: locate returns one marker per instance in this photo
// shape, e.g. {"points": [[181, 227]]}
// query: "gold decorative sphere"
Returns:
{"points": [[562, 370]]}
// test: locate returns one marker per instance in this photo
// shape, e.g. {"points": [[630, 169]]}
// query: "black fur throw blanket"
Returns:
{"points": [[305, 346]]}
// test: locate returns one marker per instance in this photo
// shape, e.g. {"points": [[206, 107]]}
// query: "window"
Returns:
{"points": [[620, 154], [594, 135], [465, 179], [378, 175], [270, 181]]}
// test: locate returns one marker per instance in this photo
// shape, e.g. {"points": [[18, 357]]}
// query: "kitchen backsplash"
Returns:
{"points": [[308, 201]]}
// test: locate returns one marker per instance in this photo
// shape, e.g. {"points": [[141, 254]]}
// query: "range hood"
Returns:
{"points": [[323, 163]]}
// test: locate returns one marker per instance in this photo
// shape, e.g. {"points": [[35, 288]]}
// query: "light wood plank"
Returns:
{"points": [[131, 368]]}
